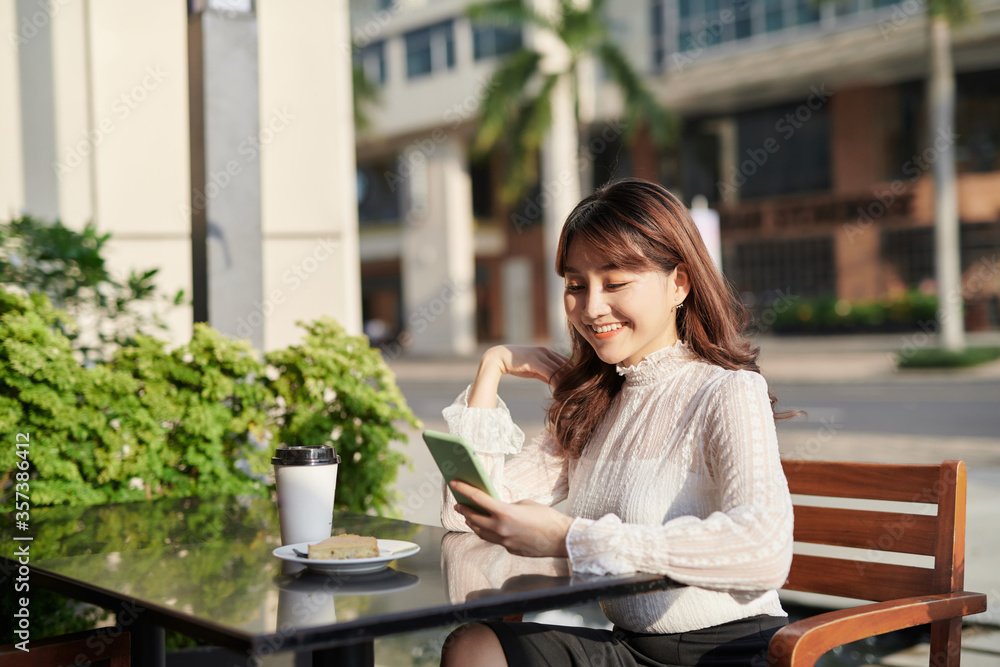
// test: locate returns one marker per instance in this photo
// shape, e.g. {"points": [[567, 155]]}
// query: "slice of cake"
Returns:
{"points": [[345, 546]]}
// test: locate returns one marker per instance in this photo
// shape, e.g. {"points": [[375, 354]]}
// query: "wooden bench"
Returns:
{"points": [[902, 596]]}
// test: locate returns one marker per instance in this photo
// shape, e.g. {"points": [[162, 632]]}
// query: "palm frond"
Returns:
{"points": [[503, 97], [366, 95], [508, 12], [640, 103], [956, 12], [581, 29], [525, 137]]}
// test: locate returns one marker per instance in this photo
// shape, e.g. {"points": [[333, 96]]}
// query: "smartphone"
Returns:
{"points": [[457, 460]]}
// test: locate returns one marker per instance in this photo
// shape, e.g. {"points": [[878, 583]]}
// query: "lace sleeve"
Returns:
{"points": [[535, 473]]}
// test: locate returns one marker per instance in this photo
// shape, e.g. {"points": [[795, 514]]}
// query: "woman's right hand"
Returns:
{"points": [[526, 361]]}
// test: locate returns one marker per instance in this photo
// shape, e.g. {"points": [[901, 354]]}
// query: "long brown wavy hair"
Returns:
{"points": [[640, 226]]}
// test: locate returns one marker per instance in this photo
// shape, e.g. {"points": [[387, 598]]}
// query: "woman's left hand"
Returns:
{"points": [[524, 528]]}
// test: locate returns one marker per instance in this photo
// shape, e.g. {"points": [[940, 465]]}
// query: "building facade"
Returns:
{"points": [[802, 123], [196, 135]]}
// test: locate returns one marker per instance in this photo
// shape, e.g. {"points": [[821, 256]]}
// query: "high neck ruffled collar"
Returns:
{"points": [[657, 365]]}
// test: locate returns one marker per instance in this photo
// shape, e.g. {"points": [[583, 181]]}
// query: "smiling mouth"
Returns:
{"points": [[607, 327], [607, 330]]}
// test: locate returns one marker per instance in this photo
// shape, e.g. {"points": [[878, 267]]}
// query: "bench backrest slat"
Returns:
{"points": [[896, 531], [855, 579], [871, 481], [872, 575]]}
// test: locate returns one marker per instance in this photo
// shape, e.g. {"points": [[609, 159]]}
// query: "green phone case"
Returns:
{"points": [[457, 460]]}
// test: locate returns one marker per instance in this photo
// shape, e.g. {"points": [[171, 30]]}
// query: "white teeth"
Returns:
{"points": [[607, 328]]}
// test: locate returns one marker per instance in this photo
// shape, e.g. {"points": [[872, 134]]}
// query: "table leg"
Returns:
{"points": [[352, 655], [149, 646]]}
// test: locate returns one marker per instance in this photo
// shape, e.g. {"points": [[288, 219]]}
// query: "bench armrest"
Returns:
{"points": [[803, 642]]}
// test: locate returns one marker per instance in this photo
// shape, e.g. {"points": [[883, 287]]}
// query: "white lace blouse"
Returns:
{"points": [[682, 478]]}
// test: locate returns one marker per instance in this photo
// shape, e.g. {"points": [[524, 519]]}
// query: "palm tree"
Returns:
{"points": [[534, 104], [942, 15], [366, 95]]}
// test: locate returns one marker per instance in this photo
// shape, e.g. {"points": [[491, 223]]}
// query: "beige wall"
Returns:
{"points": [[142, 165], [11, 167], [308, 180]]}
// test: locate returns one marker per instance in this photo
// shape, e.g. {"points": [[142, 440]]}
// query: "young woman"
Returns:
{"points": [[660, 436]]}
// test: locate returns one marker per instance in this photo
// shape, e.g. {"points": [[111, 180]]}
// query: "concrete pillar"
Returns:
{"points": [[857, 256], [439, 296], [309, 215], [37, 109], [518, 293], [857, 144], [226, 200], [11, 165]]}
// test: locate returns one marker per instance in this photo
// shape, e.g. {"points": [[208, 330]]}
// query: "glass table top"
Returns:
{"points": [[205, 567]]}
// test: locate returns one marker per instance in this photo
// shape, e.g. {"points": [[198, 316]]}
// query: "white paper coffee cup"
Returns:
{"points": [[306, 478]]}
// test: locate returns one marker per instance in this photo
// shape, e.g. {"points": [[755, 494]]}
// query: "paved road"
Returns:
{"points": [[927, 408]]}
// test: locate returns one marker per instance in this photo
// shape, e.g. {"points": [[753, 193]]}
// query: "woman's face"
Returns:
{"points": [[624, 315]]}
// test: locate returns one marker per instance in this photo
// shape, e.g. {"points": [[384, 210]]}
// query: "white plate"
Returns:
{"points": [[389, 550]]}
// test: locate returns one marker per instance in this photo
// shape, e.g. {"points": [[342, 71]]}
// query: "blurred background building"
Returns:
{"points": [[203, 138], [214, 140], [802, 123]]}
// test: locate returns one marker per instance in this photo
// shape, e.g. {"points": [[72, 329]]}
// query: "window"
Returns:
{"points": [[379, 196], [774, 17], [657, 34], [977, 121], [371, 59], [702, 24], [802, 161], [806, 11], [481, 177], [430, 49], [803, 267], [490, 41]]}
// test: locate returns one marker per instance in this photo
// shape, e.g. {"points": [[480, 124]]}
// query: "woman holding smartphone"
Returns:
{"points": [[660, 436]]}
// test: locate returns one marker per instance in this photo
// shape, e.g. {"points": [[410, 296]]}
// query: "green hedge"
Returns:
{"points": [[201, 419], [934, 357], [830, 315]]}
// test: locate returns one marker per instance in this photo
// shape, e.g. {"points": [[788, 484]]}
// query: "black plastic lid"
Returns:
{"points": [[305, 456]]}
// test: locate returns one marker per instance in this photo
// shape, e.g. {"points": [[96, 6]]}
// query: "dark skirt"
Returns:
{"points": [[741, 643]]}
